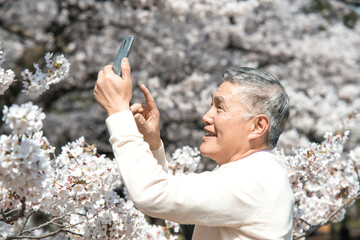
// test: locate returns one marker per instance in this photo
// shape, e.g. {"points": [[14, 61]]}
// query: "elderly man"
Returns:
{"points": [[247, 197]]}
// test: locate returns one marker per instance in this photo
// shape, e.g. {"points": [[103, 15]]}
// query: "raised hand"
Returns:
{"points": [[147, 118], [114, 93]]}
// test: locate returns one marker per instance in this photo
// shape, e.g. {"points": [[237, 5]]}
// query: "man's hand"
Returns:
{"points": [[114, 93], [148, 119]]}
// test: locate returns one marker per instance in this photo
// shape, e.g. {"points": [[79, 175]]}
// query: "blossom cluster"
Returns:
{"points": [[38, 82], [80, 179], [76, 187], [24, 119], [82, 188], [6, 76], [25, 157], [2, 55], [184, 160], [322, 180], [221, 8], [121, 221]]}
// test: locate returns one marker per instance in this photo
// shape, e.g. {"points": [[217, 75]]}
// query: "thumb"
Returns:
{"points": [[137, 108], [125, 69]]}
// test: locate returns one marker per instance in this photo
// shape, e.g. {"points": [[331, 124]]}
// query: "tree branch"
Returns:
{"points": [[26, 220], [63, 229], [16, 217], [45, 235], [47, 223], [5, 214], [329, 219], [52, 221]]}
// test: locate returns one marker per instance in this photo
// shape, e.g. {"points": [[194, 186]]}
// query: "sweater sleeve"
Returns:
{"points": [[208, 198], [159, 155], [122, 123]]}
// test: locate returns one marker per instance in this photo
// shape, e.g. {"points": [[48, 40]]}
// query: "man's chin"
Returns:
{"points": [[205, 150], [202, 148]]}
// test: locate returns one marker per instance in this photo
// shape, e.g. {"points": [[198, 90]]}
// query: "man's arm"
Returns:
{"points": [[207, 199], [114, 94]]}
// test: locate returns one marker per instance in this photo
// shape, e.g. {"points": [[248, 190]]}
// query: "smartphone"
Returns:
{"points": [[124, 51]]}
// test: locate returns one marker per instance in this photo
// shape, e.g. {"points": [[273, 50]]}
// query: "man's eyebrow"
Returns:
{"points": [[218, 99]]}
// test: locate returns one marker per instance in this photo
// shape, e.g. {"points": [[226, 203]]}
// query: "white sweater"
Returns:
{"points": [[247, 199]]}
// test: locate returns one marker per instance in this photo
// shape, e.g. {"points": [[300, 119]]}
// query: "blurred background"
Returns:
{"points": [[180, 51]]}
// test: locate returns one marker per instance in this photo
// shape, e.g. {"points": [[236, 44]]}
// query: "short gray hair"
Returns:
{"points": [[262, 93]]}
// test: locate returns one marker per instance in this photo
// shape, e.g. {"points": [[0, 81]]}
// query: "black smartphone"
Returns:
{"points": [[124, 51]]}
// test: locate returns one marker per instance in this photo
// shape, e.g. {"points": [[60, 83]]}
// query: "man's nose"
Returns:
{"points": [[208, 118]]}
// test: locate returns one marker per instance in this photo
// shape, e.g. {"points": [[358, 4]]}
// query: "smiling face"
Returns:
{"points": [[226, 133]]}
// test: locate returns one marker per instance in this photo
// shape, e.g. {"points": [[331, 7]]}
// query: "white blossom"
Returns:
{"points": [[6, 79], [184, 160], [37, 82], [322, 179], [24, 119], [6, 76], [25, 170]]}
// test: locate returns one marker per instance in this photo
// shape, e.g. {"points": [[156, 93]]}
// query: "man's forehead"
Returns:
{"points": [[218, 97], [223, 94]]}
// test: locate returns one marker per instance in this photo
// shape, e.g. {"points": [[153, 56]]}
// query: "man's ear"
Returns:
{"points": [[259, 127]]}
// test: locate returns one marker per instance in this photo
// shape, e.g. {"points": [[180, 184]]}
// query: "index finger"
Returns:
{"points": [[108, 71], [149, 100]]}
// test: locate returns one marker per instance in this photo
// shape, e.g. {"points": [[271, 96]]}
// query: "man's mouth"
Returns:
{"points": [[209, 134]]}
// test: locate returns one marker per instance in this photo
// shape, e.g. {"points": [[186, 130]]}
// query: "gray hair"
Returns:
{"points": [[262, 93]]}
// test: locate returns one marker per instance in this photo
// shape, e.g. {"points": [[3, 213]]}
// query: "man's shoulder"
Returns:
{"points": [[259, 166], [263, 157], [267, 157]]}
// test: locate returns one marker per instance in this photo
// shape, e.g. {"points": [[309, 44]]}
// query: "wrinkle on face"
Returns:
{"points": [[230, 103]]}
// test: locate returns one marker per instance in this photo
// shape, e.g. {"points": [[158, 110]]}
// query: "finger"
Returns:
{"points": [[137, 108], [150, 101], [140, 120], [95, 93], [108, 71], [125, 69], [108, 74], [98, 83], [100, 74]]}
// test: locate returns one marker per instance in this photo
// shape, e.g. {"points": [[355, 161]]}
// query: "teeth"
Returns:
{"points": [[210, 134]]}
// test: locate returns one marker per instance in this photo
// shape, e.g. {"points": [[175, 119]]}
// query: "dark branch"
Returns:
{"points": [[329, 219], [26, 220], [16, 217], [45, 235]]}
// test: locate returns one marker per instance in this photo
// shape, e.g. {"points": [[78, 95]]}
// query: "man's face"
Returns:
{"points": [[226, 133]]}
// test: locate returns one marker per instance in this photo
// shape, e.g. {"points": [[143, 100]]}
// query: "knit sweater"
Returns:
{"points": [[247, 199]]}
